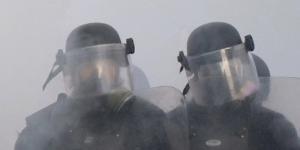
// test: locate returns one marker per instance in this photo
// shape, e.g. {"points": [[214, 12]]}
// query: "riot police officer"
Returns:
{"points": [[224, 85], [98, 110]]}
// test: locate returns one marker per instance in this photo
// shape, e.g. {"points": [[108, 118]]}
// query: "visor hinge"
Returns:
{"points": [[57, 67], [249, 43], [183, 61], [130, 48], [186, 89]]}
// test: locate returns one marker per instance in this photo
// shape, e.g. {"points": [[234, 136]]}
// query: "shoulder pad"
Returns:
{"points": [[44, 115], [40, 116]]}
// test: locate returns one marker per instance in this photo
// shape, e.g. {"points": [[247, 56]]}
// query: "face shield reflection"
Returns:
{"points": [[221, 76], [97, 70]]}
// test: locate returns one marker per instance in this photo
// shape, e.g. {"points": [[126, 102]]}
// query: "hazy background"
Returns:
{"points": [[32, 31]]}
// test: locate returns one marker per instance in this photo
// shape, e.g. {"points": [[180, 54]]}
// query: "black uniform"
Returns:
{"points": [[231, 127], [89, 125]]}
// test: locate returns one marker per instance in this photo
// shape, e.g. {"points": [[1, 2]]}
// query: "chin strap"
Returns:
{"points": [[187, 86], [56, 68], [184, 65], [186, 89]]}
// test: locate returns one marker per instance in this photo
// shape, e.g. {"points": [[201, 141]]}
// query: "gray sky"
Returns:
{"points": [[32, 31]]}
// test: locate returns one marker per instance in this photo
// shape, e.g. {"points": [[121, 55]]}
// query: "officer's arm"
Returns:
{"points": [[22, 141], [36, 134], [285, 134], [31, 139]]}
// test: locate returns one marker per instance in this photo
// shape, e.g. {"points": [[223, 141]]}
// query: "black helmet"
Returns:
{"points": [[218, 35], [92, 34], [218, 65], [261, 66], [212, 36], [263, 73], [90, 44]]}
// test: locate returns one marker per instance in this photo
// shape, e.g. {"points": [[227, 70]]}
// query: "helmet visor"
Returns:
{"points": [[223, 75], [97, 70]]}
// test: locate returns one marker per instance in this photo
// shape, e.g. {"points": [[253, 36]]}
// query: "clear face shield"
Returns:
{"points": [[97, 70], [222, 76]]}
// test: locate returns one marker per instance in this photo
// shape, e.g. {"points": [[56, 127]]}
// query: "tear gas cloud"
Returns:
{"points": [[32, 31]]}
